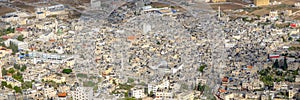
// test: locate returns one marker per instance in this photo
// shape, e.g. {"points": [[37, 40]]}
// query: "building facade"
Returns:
{"points": [[261, 2], [83, 93], [138, 93]]}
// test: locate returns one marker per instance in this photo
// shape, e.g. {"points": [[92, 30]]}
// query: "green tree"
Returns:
{"points": [[298, 40], [10, 30], [151, 94], [67, 71], [201, 68], [9, 86], [27, 85], [146, 91], [263, 72], [4, 71], [14, 48], [276, 64], [18, 76], [13, 30], [11, 70], [278, 79], [295, 72], [285, 65], [290, 39], [130, 80], [201, 87], [279, 73], [23, 68], [268, 80], [157, 42], [293, 48], [126, 94], [16, 66], [114, 82], [2, 44], [18, 89], [3, 84], [20, 38]]}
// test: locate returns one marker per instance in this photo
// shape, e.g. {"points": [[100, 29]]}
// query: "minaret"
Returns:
{"points": [[219, 13], [0, 70], [56, 26]]}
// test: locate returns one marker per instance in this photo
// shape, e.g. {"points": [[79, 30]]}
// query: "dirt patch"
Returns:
{"points": [[159, 5], [225, 6], [25, 7], [267, 9], [261, 12], [5, 10], [296, 17], [74, 3]]}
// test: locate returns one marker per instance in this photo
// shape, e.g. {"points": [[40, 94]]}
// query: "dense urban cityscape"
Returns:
{"points": [[149, 49]]}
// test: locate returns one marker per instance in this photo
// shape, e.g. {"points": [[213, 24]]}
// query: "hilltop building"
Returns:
{"points": [[95, 4], [261, 2]]}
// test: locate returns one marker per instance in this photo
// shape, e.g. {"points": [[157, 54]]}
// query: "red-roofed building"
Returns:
{"points": [[131, 38], [225, 80], [5, 37], [20, 29], [222, 90], [249, 67], [274, 56], [63, 94], [293, 25], [51, 40], [32, 48]]}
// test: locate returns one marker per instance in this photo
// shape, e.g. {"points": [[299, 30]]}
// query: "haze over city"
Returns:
{"points": [[149, 49]]}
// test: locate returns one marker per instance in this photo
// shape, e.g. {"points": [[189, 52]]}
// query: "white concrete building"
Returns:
{"points": [[164, 84], [82, 93], [49, 92], [146, 28], [43, 12], [163, 95], [20, 44], [138, 93], [10, 17], [95, 4], [152, 88]]}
